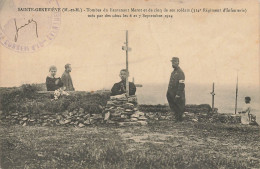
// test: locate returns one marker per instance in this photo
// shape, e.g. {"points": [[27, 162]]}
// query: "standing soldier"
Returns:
{"points": [[176, 92]]}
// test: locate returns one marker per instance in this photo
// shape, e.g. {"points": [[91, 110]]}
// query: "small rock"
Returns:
{"points": [[195, 120], [92, 121], [120, 109], [110, 103], [81, 125], [40, 155], [134, 119], [140, 113], [62, 122], [163, 117], [65, 113], [24, 119], [58, 117], [44, 124], [67, 121], [111, 108], [87, 116], [143, 123], [142, 118], [107, 115], [128, 106], [87, 122], [135, 115], [116, 114], [97, 116], [81, 110], [123, 116], [81, 115]]}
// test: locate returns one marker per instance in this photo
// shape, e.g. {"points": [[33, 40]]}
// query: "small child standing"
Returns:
{"points": [[245, 114]]}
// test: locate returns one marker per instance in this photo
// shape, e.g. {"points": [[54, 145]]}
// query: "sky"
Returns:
{"points": [[211, 47]]}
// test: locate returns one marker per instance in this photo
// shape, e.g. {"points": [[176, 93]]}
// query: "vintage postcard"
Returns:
{"points": [[129, 84]]}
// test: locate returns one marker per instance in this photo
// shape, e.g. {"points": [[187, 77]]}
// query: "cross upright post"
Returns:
{"points": [[127, 82], [213, 94], [126, 48], [236, 95]]}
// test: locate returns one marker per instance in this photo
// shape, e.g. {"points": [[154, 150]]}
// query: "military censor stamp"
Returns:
{"points": [[27, 26]]}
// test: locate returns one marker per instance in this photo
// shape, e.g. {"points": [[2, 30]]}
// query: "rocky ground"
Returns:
{"points": [[160, 144]]}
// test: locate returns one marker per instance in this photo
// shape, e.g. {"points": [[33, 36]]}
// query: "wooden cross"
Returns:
{"points": [[213, 94], [126, 48], [236, 95]]}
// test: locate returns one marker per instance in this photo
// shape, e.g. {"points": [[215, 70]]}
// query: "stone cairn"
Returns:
{"points": [[196, 113], [123, 111], [76, 118]]}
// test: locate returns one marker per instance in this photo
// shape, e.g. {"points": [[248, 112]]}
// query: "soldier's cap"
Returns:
{"points": [[175, 59], [248, 98]]}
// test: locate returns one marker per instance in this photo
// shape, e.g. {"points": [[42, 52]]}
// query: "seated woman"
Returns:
{"points": [[53, 83], [246, 112]]}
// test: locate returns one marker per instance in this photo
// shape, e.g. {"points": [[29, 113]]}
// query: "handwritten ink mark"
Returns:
{"points": [[17, 29]]}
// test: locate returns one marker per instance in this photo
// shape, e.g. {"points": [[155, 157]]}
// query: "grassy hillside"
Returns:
{"points": [[159, 145]]}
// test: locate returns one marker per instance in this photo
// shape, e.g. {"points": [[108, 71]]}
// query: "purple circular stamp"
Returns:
{"points": [[28, 25]]}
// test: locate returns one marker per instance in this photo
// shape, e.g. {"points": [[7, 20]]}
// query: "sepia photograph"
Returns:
{"points": [[134, 84]]}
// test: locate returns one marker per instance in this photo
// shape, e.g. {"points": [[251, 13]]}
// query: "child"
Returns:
{"points": [[53, 83], [245, 114]]}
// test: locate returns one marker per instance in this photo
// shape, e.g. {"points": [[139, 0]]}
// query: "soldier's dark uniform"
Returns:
{"points": [[120, 87], [177, 87]]}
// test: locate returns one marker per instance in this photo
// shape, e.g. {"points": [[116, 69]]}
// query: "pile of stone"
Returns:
{"points": [[77, 118], [213, 118], [195, 113], [163, 112], [191, 108], [197, 117], [123, 111]]}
